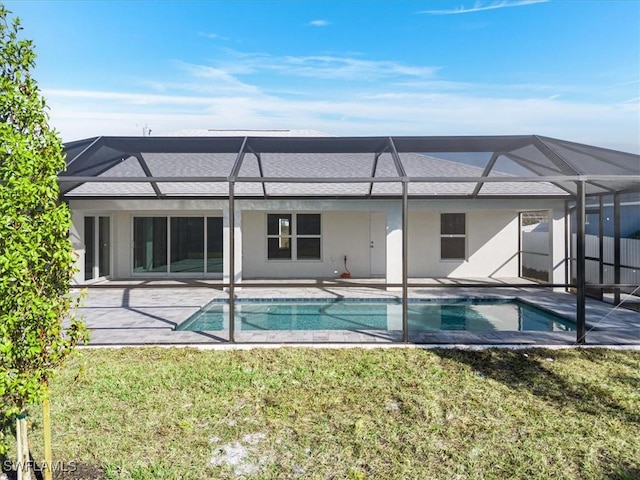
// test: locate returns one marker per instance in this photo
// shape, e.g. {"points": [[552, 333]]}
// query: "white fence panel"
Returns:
{"points": [[630, 252], [535, 262], [535, 242], [629, 255], [538, 242]]}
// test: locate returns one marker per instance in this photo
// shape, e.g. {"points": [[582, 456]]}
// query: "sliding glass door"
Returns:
{"points": [[149, 244], [187, 244], [177, 245], [214, 244]]}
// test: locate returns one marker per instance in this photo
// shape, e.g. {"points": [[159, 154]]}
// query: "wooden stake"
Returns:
{"points": [[46, 425], [24, 467], [19, 448], [25, 446]]}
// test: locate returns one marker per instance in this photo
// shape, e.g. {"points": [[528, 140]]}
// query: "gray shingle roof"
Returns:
{"points": [[338, 158]]}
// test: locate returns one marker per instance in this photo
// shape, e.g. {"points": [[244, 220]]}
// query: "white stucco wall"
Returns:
{"points": [[343, 233], [491, 238], [492, 235]]}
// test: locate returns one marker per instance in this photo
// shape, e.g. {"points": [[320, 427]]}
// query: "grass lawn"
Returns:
{"points": [[151, 413]]}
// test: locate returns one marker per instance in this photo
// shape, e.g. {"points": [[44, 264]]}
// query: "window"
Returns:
{"points": [[453, 236], [97, 244], [308, 236], [177, 245], [279, 236], [89, 247], [293, 236]]}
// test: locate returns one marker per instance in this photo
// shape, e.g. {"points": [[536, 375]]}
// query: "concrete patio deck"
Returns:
{"points": [[146, 313]]}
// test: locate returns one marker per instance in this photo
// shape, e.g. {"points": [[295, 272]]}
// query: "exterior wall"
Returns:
{"points": [[492, 231], [492, 245], [343, 233], [492, 236], [237, 232]]}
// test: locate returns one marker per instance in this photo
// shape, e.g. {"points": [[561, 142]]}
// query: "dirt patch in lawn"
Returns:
{"points": [[63, 471]]}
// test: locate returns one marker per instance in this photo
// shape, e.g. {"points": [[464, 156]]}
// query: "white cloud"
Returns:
{"points": [[322, 66], [79, 114], [212, 36], [318, 23], [483, 6], [218, 79], [259, 91]]}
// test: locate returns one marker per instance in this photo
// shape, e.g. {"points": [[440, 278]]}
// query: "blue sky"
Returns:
{"points": [[562, 68]]}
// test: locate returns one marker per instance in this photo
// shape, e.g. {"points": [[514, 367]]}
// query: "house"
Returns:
{"points": [[244, 205]]}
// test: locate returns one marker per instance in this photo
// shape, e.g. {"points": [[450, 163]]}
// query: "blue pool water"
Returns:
{"points": [[462, 315]]}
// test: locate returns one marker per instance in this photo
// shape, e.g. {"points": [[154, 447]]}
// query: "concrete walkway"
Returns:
{"points": [[126, 313]]}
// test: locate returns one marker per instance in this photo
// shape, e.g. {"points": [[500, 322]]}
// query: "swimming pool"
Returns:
{"points": [[472, 315]]}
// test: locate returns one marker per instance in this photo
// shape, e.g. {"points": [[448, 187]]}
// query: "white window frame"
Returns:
{"points": [[293, 237]]}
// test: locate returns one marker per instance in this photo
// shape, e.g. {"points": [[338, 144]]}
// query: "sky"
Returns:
{"points": [[568, 69]]}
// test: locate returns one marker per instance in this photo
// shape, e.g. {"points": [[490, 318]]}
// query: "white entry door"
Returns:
{"points": [[378, 243]]}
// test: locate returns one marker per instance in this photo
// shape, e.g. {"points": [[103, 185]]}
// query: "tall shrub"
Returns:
{"points": [[36, 258]]}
